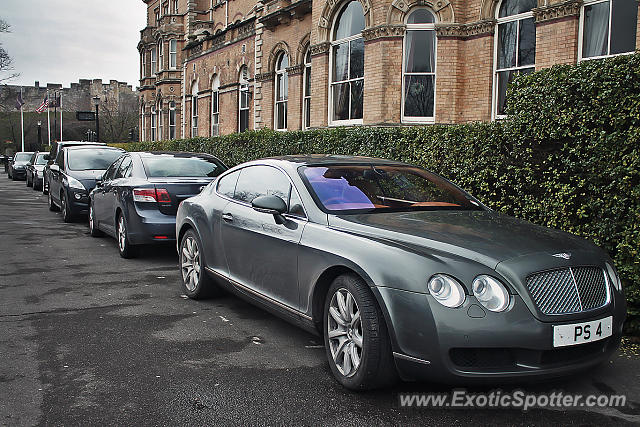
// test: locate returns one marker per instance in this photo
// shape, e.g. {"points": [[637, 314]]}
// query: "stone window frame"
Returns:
{"points": [[581, 33], [160, 55], [306, 97], [420, 27], [215, 106], [143, 123], [333, 44], [243, 90], [281, 76], [194, 109], [173, 54], [172, 120], [159, 120], [143, 59], [496, 70], [154, 60]]}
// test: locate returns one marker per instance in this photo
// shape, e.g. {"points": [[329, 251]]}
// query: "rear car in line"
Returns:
{"points": [[56, 147], [402, 272], [73, 175], [17, 166], [137, 198]]}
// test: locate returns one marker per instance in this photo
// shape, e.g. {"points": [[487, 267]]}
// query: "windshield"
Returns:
{"points": [[367, 188], [160, 166], [41, 160], [91, 158], [22, 157]]}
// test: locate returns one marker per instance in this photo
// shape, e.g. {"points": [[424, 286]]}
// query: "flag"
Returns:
{"points": [[44, 105], [55, 102], [19, 102]]}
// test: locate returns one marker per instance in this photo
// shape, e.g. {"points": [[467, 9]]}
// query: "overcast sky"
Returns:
{"points": [[61, 41]]}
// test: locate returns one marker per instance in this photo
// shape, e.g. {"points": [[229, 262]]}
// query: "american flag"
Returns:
{"points": [[44, 105]]}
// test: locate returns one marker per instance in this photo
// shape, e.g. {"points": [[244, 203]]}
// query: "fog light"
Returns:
{"points": [[77, 196]]}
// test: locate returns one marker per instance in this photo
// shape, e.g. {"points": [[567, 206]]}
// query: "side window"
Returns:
{"points": [[227, 184], [295, 204], [111, 172], [258, 181], [124, 171]]}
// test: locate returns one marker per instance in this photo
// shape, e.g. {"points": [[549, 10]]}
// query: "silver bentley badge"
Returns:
{"points": [[564, 255]]}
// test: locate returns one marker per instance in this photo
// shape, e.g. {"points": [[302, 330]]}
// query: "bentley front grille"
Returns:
{"points": [[569, 290]]}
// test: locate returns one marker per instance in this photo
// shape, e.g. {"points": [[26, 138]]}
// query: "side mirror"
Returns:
{"points": [[273, 205], [98, 182], [54, 168]]}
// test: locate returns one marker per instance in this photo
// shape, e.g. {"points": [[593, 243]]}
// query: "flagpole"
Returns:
{"points": [[22, 120], [60, 115], [48, 118]]}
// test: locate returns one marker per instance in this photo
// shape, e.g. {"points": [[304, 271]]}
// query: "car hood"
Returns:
{"points": [[482, 236], [88, 177]]}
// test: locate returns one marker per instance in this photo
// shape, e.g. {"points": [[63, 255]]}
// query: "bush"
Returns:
{"points": [[568, 157]]}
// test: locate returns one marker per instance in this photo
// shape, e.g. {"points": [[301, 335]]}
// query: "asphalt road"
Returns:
{"points": [[89, 338]]}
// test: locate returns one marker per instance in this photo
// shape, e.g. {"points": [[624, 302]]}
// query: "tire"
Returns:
{"points": [[93, 231], [67, 216], [362, 336], [125, 248], [13, 177], [27, 181], [52, 206], [45, 187], [196, 283]]}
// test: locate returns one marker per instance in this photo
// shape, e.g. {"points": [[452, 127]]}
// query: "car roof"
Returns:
{"points": [[333, 159], [63, 143], [100, 147]]}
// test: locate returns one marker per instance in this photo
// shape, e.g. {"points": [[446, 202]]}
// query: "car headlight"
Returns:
{"points": [[446, 290], [491, 293], [613, 276], [75, 184]]}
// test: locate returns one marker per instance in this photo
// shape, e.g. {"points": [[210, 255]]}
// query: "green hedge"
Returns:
{"points": [[568, 157]]}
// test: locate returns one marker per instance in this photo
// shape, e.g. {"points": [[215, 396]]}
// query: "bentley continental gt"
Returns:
{"points": [[403, 273]]}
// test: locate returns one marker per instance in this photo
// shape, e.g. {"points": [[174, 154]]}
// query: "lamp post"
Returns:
{"points": [[96, 102], [39, 134]]}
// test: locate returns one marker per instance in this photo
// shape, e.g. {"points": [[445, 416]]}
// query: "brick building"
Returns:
{"points": [[222, 66]]}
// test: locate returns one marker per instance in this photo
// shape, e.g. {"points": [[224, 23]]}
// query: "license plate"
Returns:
{"points": [[580, 333]]}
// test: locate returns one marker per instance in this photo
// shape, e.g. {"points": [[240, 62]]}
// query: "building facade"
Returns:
{"points": [[212, 67]]}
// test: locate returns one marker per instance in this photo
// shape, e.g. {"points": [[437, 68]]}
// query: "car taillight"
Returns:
{"points": [[159, 195]]}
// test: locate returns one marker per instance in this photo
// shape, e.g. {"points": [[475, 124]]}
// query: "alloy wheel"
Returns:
{"points": [[345, 332], [91, 224], [190, 263], [122, 234]]}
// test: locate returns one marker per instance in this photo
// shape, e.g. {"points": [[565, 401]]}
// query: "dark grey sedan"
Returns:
{"points": [[402, 272], [137, 198]]}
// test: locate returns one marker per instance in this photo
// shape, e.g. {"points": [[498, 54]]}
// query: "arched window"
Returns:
{"points": [[173, 54], [347, 66], [172, 120], [215, 106], [608, 28], [243, 99], [154, 123], [154, 60], [306, 97], [159, 110], [194, 109], [160, 55], [515, 47], [419, 69], [281, 92]]}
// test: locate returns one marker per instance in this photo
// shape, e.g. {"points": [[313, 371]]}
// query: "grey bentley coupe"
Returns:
{"points": [[403, 273]]}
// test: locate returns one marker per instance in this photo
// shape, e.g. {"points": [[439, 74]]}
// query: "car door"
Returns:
{"points": [[101, 206], [55, 177], [111, 193], [262, 254]]}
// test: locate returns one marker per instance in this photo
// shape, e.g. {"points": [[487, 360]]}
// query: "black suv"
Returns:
{"points": [[73, 175], [56, 147]]}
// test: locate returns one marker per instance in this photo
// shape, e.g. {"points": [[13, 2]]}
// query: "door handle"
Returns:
{"points": [[227, 217]]}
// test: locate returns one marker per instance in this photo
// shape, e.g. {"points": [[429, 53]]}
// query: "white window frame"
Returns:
{"points": [[280, 74], [335, 43], [494, 96], [154, 60], [243, 87], [581, 33], [172, 120], [306, 97], [154, 119], [173, 54], [160, 127], [143, 126], [160, 55], [420, 27], [143, 57], [215, 102]]}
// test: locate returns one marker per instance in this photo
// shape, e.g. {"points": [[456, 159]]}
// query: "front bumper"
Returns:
{"points": [[78, 202], [470, 344], [19, 173]]}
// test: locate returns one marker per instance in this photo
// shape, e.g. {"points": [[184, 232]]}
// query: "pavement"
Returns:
{"points": [[89, 338]]}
